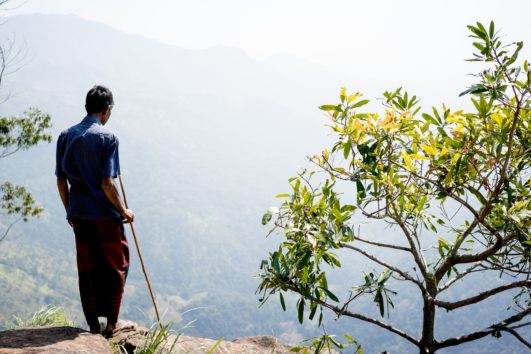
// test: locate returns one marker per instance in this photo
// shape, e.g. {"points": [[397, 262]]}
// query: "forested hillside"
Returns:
{"points": [[207, 138]]}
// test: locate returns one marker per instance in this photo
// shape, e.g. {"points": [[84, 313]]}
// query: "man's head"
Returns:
{"points": [[99, 103]]}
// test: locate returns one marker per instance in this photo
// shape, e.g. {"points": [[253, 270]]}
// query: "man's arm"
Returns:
{"points": [[62, 186], [111, 192]]}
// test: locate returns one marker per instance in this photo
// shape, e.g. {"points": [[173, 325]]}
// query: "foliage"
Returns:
{"points": [[26, 207], [20, 133], [326, 342], [49, 315], [458, 180]]}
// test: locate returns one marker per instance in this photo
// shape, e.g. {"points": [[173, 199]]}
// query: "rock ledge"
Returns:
{"points": [[75, 340]]}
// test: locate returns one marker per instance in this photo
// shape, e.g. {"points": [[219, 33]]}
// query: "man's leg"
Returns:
{"points": [[115, 251], [85, 232]]}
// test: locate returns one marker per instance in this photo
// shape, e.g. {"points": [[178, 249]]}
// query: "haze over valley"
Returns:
{"points": [[208, 137]]}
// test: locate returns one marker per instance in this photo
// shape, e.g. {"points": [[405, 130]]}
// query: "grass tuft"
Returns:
{"points": [[49, 315]]}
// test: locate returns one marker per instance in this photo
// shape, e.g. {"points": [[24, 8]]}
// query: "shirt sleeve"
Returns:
{"points": [[59, 172], [110, 162]]}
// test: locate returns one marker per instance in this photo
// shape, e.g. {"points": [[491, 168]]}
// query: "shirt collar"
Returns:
{"points": [[91, 119]]}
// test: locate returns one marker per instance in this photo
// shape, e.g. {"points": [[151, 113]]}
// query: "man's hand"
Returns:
{"points": [[128, 215], [64, 192]]}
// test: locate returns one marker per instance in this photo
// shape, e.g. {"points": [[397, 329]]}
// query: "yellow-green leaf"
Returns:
{"points": [[407, 161], [430, 150], [498, 118], [343, 94], [325, 154], [354, 97], [418, 157]]}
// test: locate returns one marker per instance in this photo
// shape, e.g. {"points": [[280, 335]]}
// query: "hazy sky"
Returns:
{"points": [[395, 41]]}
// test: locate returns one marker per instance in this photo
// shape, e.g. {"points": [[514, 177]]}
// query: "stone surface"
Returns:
{"points": [[52, 340], [75, 340], [195, 345]]}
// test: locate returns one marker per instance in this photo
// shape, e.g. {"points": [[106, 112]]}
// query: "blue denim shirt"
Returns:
{"points": [[87, 153]]}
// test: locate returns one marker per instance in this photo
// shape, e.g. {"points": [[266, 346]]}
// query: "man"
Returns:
{"points": [[86, 166]]}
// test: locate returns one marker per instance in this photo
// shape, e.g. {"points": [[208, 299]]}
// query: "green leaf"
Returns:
{"points": [[478, 89], [378, 298], [361, 190], [430, 119], [479, 46], [215, 345], [481, 28], [478, 195], [329, 107], [343, 94], [275, 264], [348, 337], [346, 148], [330, 294], [282, 302], [360, 103], [267, 217], [478, 32], [384, 277], [300, 310], [313, 311]]}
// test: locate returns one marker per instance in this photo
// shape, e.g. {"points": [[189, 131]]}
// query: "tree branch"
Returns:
{"points": [[481, 296], [358, 316], [517, 336], [9, 229], [382, 244], [480, 334], [459, 276], [418, 259], [478, 219], [452, 259], [386, 265], [469, 258]]}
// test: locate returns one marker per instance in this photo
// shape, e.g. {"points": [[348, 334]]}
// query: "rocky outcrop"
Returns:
{"points": [[52, 340], [195, 345], [75, 340]]}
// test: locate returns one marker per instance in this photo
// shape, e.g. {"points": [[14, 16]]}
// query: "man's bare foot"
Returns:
{"points": [[95, 328], [121, 325]]}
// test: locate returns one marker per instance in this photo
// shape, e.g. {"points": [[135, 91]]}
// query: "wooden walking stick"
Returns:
{"points": [[140, 256]]}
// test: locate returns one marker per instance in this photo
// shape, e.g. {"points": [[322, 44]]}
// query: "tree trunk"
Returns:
{"points": [[426, 350], [427, 342]]}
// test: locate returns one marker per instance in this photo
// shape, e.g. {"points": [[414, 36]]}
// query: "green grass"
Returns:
{"points": [[49, 315], [155, 340]]}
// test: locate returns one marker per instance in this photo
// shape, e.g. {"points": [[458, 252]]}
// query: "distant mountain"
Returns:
{"points": [[207, 138]]}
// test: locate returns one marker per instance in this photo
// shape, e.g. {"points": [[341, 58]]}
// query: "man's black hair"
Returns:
{"points": [[98, 99]]}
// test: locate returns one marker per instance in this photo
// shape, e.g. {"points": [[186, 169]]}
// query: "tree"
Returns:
{"points": [[18, 133], [454, 184]]}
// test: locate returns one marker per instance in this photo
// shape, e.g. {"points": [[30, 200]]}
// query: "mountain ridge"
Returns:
{"points": [[205, 143]]}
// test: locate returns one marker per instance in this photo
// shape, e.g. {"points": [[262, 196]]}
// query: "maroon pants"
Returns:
{"points": [[102, 264]]}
